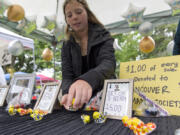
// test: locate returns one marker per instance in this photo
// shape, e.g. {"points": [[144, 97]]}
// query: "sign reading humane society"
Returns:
{"points": [[158, 79]]}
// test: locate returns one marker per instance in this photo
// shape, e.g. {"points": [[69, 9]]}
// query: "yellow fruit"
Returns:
{"points": [[15, 13], [147, 45], [47, 54]]}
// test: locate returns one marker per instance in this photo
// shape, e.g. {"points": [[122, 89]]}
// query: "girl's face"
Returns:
{"points": [[76, 16]]}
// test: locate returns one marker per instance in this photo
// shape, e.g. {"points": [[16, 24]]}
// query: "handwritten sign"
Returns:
{"points": [[158, 79], [5, 57], [3, 94], [117, 98], [47, 97]]}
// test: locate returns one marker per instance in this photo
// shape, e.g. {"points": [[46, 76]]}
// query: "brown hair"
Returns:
{"points": [[91, 17]]}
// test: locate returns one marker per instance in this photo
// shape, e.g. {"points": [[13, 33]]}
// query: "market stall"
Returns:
{"points": [[124, 106], [62, 122]]}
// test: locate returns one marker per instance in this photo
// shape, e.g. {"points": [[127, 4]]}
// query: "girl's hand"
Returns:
{"points": [[81, 91]]}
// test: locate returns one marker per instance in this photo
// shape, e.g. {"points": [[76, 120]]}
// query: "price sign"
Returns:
{"points": [[117, 98], [47, 97], [158, 79]]}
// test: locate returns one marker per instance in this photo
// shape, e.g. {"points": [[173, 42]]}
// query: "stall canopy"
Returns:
{"points": [[45, 79], [109, 12], [7, 36]]}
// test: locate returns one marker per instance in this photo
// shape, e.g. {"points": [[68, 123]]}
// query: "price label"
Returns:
{"points": [[48, 97], [117, 98]]}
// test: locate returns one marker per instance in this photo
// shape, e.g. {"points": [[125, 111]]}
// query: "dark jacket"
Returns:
{"points": [[100, 59], [176, 49]]}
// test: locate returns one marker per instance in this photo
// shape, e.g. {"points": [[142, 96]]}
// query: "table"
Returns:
{"points": [[62, 122]]}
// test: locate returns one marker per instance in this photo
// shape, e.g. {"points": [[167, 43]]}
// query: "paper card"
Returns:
{"points": [[48, 97], [117, 98]]}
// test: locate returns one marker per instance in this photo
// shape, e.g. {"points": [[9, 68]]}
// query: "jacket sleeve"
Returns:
{"points": [[176, 49], [105, 68], [67, 70]]}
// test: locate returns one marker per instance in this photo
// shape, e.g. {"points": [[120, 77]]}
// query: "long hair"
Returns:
{"points": [[91, 17]]}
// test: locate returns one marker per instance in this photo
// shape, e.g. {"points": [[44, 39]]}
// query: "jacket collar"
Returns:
{"points": [[96, 35]]}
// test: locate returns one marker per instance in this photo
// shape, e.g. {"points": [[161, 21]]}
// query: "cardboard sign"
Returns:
{"points": [[158, 79], [117, 98]]}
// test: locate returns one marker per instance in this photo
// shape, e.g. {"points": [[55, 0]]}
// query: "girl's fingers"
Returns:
{"points": [[84, 98], [89, 94], [64, 99], [70, 96], [77, 98]]}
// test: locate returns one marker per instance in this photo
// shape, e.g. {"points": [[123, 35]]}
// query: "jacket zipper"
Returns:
{"points": [[80, 57]]}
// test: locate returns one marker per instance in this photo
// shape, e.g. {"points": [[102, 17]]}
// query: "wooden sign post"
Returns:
{"points": [[158, 79]]}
